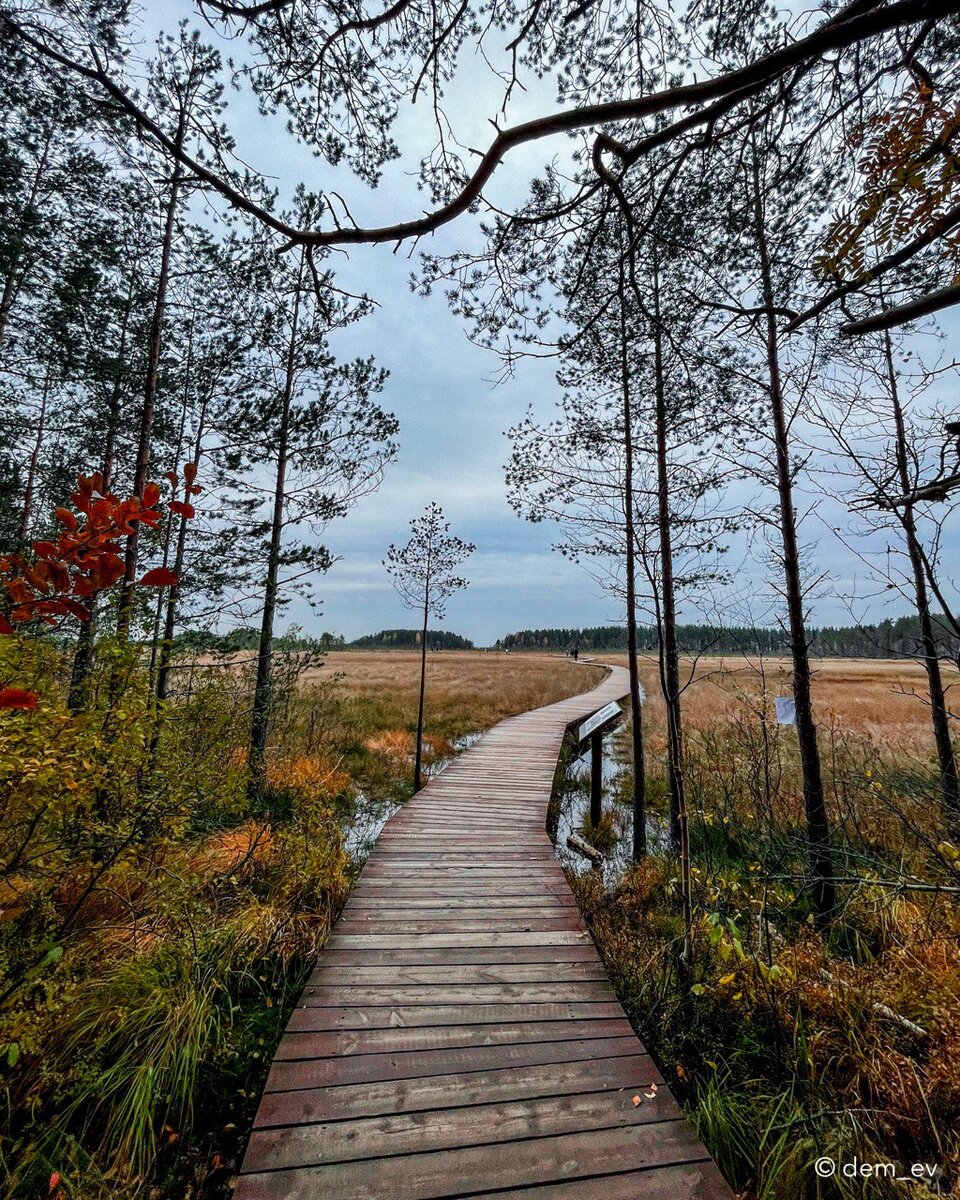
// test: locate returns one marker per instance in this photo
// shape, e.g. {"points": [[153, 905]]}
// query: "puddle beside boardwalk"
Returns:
{"points": [[370, 815], [573, 808]]}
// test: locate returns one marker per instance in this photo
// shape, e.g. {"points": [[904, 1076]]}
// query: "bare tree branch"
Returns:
{"points": [[840, 32], [889, 318]]}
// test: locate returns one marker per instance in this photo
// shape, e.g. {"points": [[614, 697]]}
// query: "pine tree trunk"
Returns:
{"points": [[13, 280], [819, 851], [83, 655], [168, 539], [418, 753], [671, 656], [154, 347], [173, 596], [939, 713], [260, 718], [639, 847], [679, 828], [34, 465]]}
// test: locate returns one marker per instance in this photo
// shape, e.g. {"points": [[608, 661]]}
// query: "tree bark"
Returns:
{"points": [[162, 607], [154, 347], [639, 847], [260, 717], [939, 714], [418, 755], [83, 655], [819, 851], [13, 280], [34, 465], [173, 596], [671, 655], [670, 660]]}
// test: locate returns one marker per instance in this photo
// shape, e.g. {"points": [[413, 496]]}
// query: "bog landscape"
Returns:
{"points": [[479, 623]]}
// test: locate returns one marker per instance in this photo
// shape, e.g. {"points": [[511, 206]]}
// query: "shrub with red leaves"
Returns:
{"points": [[84, 560]]}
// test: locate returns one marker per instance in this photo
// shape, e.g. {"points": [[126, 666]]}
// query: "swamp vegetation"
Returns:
{"points": [[786, 1043], [157, 920]]}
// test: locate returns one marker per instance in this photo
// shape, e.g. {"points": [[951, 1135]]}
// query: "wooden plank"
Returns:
{"points": [[296, 1044], [415, 1016], [455, 912], [502, 993], [698, 1181], [466, 903], [454, 1091], [290, 1075], [456, 975], [462, 923], [478, 1124], [363, 941], [451, 956], [395, 869], [450, 889], [451, 1172]]}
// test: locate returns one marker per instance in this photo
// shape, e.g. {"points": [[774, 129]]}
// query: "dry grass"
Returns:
{"points": [[881, 699], [466, 689]]}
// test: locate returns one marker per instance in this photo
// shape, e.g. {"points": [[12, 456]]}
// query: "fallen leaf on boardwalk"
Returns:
{"points": [[650, 1095], [636, 1101]]}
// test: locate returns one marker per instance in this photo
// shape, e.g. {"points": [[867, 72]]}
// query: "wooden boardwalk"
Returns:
{"points": [[459, 1036]]}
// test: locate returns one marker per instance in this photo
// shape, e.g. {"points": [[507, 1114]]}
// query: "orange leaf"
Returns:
{"points": [[66, 517], [183, 510], [151, 494], [159, 577], [14, 697], [190, 471], [80, 611]]}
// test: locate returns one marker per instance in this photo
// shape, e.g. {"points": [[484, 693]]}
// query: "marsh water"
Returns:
{"points": [[571, 808], [370, 814]]}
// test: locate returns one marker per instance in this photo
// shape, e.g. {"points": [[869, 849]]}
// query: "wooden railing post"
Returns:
{"points": [[596, 778]]}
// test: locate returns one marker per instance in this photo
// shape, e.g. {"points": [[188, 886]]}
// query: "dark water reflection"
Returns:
{"points": [[572, 809]]}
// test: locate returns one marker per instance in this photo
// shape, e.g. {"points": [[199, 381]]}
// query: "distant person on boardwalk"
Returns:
{"points": [[576, 653]]}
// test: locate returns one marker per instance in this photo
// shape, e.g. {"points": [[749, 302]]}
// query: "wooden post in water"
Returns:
{"points": [[592, 731], [596, 778]]}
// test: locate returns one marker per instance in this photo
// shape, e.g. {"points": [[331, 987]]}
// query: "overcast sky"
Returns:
{"points": [[453, 416]]}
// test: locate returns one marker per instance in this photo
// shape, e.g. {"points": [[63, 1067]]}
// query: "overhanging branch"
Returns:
{"points": [[848, 28], [890, 318]]}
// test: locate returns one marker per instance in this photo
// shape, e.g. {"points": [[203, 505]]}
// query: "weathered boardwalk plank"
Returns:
{"points": [[458, 1037]]}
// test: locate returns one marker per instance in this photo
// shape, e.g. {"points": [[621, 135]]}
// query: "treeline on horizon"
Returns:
{"points": [[885, 639], [234, 641]]}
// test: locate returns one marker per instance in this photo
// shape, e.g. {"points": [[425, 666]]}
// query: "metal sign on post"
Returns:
{"points": [[592, 731], [601, 721]]}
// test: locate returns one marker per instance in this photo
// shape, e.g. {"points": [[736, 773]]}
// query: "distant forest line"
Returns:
{"points": [[889, 638], [886, 639], [236, 640]]}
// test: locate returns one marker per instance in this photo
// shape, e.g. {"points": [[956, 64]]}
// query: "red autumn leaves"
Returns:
{"points": [[86, 558]]}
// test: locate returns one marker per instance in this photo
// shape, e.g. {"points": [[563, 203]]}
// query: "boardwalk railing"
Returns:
{"points": [[459, 1036]]}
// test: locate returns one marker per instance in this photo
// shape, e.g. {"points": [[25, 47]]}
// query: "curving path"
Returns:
{"points": [[459, 1036]]}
